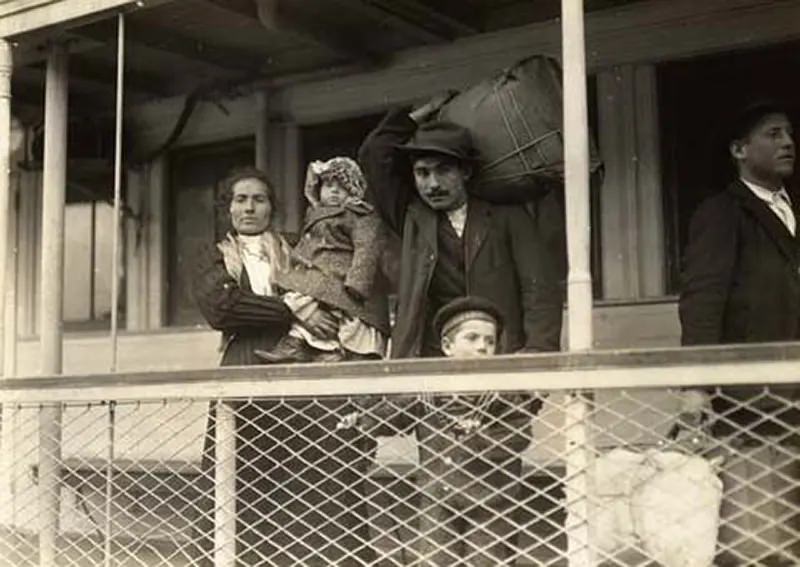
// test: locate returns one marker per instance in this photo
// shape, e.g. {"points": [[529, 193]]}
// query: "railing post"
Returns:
{"points": [[55, 181], [579, 281], [225, 486]]}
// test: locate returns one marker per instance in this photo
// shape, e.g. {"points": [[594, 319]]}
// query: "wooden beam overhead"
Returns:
{"points": [[96, 71], [376, 12], [294, 16], [423, 15], [34, 48], [168, 40], [100, 76]]}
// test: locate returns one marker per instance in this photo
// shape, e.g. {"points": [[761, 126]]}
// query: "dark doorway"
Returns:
{"points": [[194, 175], [697, 98]]}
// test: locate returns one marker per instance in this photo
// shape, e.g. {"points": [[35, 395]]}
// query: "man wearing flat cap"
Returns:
{"points": [[453, 244], [741, 284]]}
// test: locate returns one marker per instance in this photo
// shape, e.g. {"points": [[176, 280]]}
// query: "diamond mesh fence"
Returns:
{"points": [[619, 478]]}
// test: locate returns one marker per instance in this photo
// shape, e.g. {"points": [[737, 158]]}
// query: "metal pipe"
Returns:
{"points": [[52, 300], [579, 280], [115, 247], [92, 259], [107, 533], [225, 486], [6, 66]]}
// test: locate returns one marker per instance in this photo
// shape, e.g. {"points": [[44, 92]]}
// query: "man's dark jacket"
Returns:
{"points": [[504, 257], [741, 281]]}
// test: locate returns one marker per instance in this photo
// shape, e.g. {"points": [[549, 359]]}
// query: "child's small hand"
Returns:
{"points": [[316, 167]]}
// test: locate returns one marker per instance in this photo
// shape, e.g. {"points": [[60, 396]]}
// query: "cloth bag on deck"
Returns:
{"points": [[664, 503]]}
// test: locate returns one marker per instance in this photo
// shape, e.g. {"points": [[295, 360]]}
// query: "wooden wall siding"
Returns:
{"points": [[617, 326], [632, 221], [650, 325], [642, 32], [29, 256], [151, 124], [146, 276]]}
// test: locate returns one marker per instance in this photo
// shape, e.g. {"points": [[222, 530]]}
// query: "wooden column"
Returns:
{"points": [[284, 168], [146, 247], [6, 66], [51, 327], [578, 454], [633, 223], [262, 131], [29, 256], [6, 441], [10, 333]]}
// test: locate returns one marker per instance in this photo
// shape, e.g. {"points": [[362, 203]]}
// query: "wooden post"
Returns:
{"points": [[6, 66], [262, 131], [6, 427], [579, 280], [225, 486], [52, 273]]}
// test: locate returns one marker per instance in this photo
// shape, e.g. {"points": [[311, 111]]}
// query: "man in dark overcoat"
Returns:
{"points": [[453, 244], [741, 284], [741, 280]]}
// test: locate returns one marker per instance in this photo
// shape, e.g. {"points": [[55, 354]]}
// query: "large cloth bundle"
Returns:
{"points": [[516, 123], [663, 503]]}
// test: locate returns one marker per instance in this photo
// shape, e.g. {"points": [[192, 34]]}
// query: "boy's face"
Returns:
{"points": [[471, 339], [331, 193]]}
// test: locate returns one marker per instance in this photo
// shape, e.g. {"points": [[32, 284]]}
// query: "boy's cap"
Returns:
{"points": [[441, 137], [464, 308]]}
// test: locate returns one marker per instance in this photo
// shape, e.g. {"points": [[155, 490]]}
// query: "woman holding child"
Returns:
{"points": [[299, 480]]}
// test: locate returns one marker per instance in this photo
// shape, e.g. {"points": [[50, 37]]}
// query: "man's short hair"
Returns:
{"points": [[750, 116], [465, 308]]}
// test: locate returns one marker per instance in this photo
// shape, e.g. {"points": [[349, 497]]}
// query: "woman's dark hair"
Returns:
{"points": [[225, 195]]}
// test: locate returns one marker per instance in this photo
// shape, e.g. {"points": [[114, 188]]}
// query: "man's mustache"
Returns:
{"points": [[437, 193]]}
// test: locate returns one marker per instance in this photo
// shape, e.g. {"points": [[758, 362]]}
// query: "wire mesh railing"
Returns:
{"points": [[442, 475]]}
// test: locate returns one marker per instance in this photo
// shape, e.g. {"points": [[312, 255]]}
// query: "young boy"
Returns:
{"points": [[469, 450], [334, 266], [470, 446]]}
